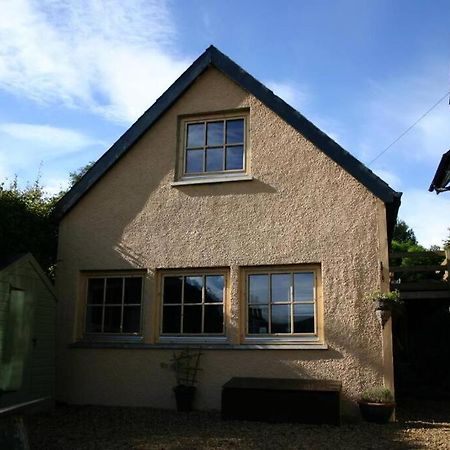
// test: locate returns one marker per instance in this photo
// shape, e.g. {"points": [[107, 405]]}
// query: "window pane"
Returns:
{"points": [[214, 289], [133, 288], [113, 290], [304, 318], [258, 288], [214, 159], [235, 131], [281, 286], [214, 133], [213, 319], [171, 319], [131, 319], [196, 135], [258, 320], [281, 320], [194, 161], [235, 158], [193, 289], [192, 319], [94, 319], [95, 290], [304, 286], [112, 319], [172, 289]]}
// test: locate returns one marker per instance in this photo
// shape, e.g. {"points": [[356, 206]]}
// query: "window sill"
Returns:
{"points": [[211, 179], [202, 346]]}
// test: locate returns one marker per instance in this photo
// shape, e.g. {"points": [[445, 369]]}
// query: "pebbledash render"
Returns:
{"points": [[224, 220]]}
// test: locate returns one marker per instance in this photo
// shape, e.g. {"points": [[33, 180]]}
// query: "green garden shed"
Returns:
{"points": [[27, 332]]}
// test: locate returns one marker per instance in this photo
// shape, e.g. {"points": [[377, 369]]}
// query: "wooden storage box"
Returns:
{"points": [[282, 400]]}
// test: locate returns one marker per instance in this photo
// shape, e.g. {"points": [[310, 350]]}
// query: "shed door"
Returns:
{"points": [[16, 342]]}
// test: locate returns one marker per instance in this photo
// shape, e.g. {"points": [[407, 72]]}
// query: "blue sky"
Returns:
{"points": [[74, 75]]}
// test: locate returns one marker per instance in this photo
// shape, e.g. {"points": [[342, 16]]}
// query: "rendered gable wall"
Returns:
{"points": [[301, 207]]}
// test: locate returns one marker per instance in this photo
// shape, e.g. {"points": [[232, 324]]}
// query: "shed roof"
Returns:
{"points": [[8, 261], [212, 57]]}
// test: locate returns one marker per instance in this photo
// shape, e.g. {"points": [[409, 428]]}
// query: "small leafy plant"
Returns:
{"points": [[377, 394], [392, 297], [385, 301]]}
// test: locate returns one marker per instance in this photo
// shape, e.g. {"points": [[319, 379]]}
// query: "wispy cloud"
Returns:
{"points": [[27, 149], [392, 107], [296, 95], [111, 57], [61, 139]]}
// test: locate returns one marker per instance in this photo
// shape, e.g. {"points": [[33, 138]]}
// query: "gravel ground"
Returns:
{"points": [[420, 425]]}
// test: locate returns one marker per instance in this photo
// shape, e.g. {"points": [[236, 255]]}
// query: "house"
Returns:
{"points": [[223, 219], [27, 333], [441, 180]]}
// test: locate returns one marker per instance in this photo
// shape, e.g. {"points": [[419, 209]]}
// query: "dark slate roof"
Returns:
{"points": [[213, 57], [442, 176]]}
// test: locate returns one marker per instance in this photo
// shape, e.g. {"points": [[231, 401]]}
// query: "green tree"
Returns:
{"points": [[27, 224], [405, 241], [75, 176], [403, 233], [446, 242]]}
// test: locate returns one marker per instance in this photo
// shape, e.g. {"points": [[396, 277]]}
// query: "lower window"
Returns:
{"points": [[281, 303], [113, 305], [193, 304]]}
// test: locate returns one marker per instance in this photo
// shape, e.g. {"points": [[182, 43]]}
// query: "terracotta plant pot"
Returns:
{"points": [[376, 412], [184, 396]]}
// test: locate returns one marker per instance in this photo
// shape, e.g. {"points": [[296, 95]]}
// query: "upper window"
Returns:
{"points": [[214, 146], [193, 304], [113, 305], [281, 303]]}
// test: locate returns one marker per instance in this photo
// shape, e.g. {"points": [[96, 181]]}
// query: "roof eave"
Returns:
{"points": [[439, 180]]}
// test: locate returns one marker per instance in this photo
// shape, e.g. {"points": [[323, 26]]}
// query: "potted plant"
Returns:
{"points": [[385, 303], [185, 364], [377, 404]]}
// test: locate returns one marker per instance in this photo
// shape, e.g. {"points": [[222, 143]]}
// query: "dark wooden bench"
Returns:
{"points": [[282, 400]]}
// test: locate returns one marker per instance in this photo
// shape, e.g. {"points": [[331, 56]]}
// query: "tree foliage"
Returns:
{"points": [[404, 234], [26, 223], [405, 241], [446, 243], [75, 176]]}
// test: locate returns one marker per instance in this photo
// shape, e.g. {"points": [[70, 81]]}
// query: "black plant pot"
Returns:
{"points": [[184, 396], [376, 412], [383, 305]]}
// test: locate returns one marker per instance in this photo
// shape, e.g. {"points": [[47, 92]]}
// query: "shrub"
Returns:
{"points": [[377, 394]]}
